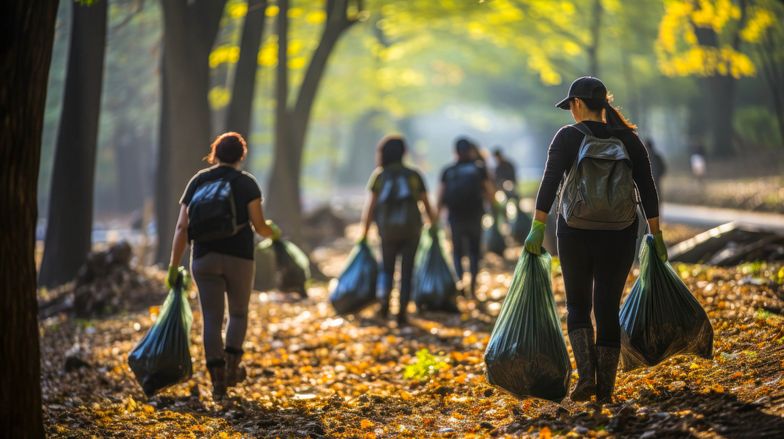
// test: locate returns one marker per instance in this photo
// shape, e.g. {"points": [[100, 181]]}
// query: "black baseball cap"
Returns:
{"points": [[586, 87]]}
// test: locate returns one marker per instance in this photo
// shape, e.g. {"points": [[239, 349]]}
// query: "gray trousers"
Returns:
{"points": [[217, 277]]}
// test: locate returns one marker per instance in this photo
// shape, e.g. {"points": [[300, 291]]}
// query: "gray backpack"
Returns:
{"points": [[599, 192]]}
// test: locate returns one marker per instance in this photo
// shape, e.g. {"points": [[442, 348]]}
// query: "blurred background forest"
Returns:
{"points": [[689, 72]]}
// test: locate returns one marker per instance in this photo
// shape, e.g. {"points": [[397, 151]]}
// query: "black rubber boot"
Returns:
{"points": [[607, 366], [585, 356], [217, 370], [235, 373]]}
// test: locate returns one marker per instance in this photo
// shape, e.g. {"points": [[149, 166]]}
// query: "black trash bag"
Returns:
{"points": [[266, 268], [292, 266], [526, 355], [661, 317], [435, 285], [163, 358], [521, 225], [494, 240], [356, 288]]}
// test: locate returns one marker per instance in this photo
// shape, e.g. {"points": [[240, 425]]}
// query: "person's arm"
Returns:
{"points": [[367, 215], [432, 219], [180, 240], [256, 215], [643, 178], [440, 200]]}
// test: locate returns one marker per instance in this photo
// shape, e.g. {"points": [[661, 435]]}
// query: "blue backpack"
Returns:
{"points": [[212, 213]]}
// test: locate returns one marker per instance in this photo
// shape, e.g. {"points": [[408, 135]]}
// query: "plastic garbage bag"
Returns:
{"points": [[264, 258], [356, 288], [292, 266], [520, 225], [163, 358], [661, 317], [526, 355], [494, 240], [435, 285]]}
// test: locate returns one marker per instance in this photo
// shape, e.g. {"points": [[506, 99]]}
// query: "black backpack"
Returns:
{"points": [[212, 213], [397, 212], [463, 189]]}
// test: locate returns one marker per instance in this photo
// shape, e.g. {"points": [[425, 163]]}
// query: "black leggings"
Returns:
{"points": [[390, 249], [595, 264], [466, 238]]}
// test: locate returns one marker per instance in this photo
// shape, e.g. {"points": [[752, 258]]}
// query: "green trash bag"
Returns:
{"points": [[494, 240], [520, 225], [435, 285], [661, 317], [163, 358], [526, 355], [264, 258], [356, 288], [281, 265]]}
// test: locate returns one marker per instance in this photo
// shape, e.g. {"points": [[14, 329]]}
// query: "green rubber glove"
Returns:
{"points": [[661, 248], [171, 276], [276, 233], [533, 243]]}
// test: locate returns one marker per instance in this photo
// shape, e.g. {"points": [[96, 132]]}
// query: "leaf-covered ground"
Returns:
{"points": [[312, 373]]}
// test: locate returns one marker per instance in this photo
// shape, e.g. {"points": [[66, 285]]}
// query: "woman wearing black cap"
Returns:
{"points": [[603, 164]]}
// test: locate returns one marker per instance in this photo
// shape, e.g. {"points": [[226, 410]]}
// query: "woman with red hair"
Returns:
{"points": [[217, 210]]}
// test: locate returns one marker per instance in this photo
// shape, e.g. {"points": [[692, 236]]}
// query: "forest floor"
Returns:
{"points": [[312, 373]]}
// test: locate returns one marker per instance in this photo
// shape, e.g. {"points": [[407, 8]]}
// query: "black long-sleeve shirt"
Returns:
{"points": [[563, 152]]}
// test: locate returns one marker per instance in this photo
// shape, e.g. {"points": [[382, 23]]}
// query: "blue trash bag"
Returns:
{"points": [[163, 357], [494, 240], [526, 355], [356, 287], [661, 317], [435, 284]]}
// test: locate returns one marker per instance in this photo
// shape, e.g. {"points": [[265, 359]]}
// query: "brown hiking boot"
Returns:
{"points": [[235, 373], [217, 370], [585, 356]]}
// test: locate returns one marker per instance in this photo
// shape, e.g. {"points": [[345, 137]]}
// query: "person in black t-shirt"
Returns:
{"points": [[465, 186], [595, 263], [223, 268], [505, 174]]}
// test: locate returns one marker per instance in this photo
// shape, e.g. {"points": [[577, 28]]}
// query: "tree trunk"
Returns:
{"points": [[28, 29], [721, 108], [70, 216], [244, 87], [284, 194], [190, 29], [596, 28]]}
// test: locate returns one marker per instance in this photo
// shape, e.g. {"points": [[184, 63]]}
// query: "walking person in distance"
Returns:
{"points": [[602, 164], [465, 187], [396, 192]]}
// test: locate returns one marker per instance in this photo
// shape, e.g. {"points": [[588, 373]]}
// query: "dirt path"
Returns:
{"points": [[315, 374]]}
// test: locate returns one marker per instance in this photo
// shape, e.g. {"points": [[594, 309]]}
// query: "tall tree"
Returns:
{"points": [[70, 216], [244, 87], [25, 54], [291, 122], [190, 28]]}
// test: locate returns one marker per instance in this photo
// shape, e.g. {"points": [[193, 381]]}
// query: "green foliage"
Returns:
{"points": [[756, 125], [424, 366]]}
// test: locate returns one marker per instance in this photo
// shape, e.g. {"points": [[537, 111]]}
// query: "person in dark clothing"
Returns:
{"points": [[505, 174], [223, 268], [658, 165], [595, 263], [396, 192], [465, 186]]}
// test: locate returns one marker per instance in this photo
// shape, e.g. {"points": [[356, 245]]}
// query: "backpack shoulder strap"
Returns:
{"points": [[583, 129]]}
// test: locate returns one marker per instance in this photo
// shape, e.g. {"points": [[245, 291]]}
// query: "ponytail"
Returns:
{"points": [[616, 121]]}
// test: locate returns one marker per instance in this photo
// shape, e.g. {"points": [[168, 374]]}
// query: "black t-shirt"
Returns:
{"points": [[563, 152], [471, 204], [245, 189]]}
